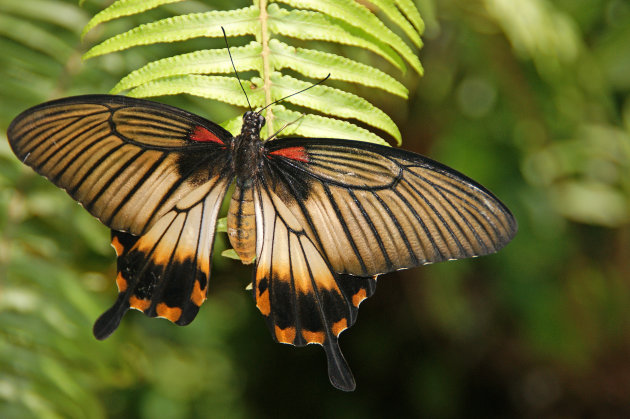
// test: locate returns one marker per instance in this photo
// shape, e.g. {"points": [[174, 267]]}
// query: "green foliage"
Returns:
{"points": [[529, 97], [342, 22], [588, 177], [30, 66], [123, 8]]}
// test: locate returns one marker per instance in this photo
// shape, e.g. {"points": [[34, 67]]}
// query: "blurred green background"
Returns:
{"points": [[529, 97]]}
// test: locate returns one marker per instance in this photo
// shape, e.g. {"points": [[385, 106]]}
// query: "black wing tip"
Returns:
{"points": [[189, 313], [510, 231], [110, 320], [339, 372], [346, 384], [514, 226]]}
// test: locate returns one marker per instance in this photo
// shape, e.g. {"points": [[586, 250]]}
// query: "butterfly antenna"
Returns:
{"points": [[298, 92], [234, 67], [284, 126]]}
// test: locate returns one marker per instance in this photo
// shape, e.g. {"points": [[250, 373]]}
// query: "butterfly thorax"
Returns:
{"points": [[246, 158], [247, 147]]}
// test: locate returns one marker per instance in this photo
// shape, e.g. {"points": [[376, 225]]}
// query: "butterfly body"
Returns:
{"points": [[248, 149], [322, 218], [241, 222]]}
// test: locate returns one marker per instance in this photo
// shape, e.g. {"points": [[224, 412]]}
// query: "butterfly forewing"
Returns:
{"points": [[154, 174], [127, 161], [372, 209]]}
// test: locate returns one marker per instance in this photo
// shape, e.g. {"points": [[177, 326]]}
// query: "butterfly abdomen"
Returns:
{"points": [[241, 223]]}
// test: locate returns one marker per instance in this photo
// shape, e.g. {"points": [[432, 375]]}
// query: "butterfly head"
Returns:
{"points": [[252, 123]]}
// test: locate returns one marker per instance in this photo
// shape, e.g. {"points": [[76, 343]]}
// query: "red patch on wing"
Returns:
{"points": [[203, 135], [293, 153]]}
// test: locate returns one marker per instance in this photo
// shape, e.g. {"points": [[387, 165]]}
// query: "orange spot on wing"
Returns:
{"points": [[198, 295], [118, 247], [121, 283], [285, 335], [293, 153], [200, 134], [340, 326], [171, 313], [262, 302], [313, 337], [138, 304], [358, 297]]}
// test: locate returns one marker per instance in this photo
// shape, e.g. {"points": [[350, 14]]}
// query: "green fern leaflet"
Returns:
{"points": [[278, 68]]}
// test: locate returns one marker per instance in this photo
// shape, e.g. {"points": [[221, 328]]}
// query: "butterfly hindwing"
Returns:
{"points": [[165, 272], [372, 209], [127, 161], [303, 300]]}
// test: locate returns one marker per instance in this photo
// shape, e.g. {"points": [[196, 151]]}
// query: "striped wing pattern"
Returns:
{"points": [[372, 209], [156, 175], [330, 215], [295, 289], [333, 214], [164, 273], [127, 161]]}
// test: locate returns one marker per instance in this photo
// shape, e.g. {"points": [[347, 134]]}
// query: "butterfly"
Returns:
{"points": [[321, 218]]}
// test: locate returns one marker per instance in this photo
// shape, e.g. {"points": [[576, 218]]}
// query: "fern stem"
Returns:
{"points": [[266, 76]]}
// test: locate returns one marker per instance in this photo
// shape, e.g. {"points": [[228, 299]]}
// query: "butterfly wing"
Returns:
{"points": [[372, 209], [295, 289], [332, 215], [127, 161], [156, 175], [164, 273]]}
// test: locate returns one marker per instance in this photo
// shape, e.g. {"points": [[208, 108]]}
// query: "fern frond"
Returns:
{"points": [[411, 13], [358, 16], [314, 26], [123, 8], [345, 22], [180, 28], [225, 89], [38, 39], [59, 14], [198, 62], [231, 254], [394, 14], [332, 101], [323, 127], [309, 125], [318, 64]]}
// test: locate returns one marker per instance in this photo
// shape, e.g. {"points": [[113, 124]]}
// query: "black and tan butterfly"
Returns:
{"points": [[321, 217]]}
